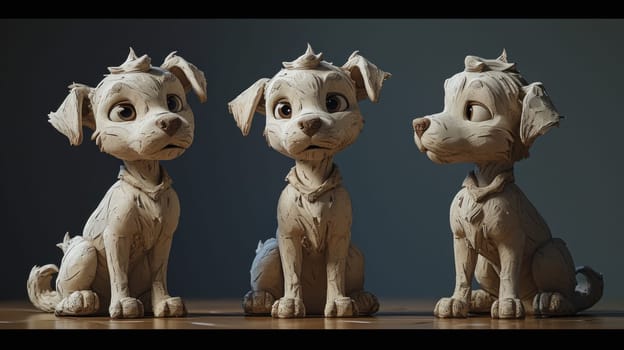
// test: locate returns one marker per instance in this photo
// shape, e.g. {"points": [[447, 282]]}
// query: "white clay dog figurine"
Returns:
{"points": [[139, 114], [312, 113], [491, 117]]}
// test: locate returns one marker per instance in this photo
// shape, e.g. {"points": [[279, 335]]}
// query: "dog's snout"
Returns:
{"points": [[421, 125], [310, 126], [169, 125]]}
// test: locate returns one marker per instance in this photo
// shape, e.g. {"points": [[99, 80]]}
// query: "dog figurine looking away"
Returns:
{"points": [[312, 112], [491, 117], [139, 114]]}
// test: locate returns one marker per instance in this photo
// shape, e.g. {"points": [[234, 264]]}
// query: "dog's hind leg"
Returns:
{"points": [[366, 302], [481, 300], [554, 276], [75, 279], [267, 279]]}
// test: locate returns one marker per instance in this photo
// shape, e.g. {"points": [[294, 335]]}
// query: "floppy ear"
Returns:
{"points": [[189, 75], [74, 113], [247, 103], [538, 113], [368, 78]]}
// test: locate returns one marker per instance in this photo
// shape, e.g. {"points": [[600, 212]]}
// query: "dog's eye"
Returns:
{"points": [[122, 112], [174, 103], [336, 103], [477, 113], [283, 110]]}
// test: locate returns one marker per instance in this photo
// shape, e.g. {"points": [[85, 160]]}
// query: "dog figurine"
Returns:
{"points": [[491, 117], [312, 113], [139, 114]]}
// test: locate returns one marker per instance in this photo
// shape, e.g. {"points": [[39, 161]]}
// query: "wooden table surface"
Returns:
{"points": [[227, 314]]}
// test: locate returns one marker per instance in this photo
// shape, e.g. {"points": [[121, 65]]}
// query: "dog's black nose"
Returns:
{"points": [[421, 125], [310, 126], [169, 126]]}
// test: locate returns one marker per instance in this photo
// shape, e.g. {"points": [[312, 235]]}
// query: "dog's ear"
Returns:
{"points": [[368, 78], [74, 113], [245, 105], [538, 113], [190, 76]]}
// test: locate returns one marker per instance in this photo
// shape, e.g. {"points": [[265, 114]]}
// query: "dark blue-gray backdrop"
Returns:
{"points": [[229, 184]]}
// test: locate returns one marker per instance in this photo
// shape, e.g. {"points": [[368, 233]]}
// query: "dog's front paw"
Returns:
{"points": [[481, 301], [451, 308], [258, 303], [552, 304], [126, 308], [507, 308], [341, 307], [288, 308], [170, 307], [78, 303]]}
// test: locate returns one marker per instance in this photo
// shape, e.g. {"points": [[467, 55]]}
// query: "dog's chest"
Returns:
{"points": [[129, 212], [156, 217], [470, 216], [316, 219]]}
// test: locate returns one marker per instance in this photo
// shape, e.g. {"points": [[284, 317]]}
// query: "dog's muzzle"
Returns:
{"points": [[169, 124], [310, 125], [420, 125]]}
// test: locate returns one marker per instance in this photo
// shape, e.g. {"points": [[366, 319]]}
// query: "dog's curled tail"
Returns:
{"points": [[588, 289], [38, 286]]}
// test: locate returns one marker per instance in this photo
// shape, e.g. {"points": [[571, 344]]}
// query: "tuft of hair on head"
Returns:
{"points": [[309, 60], [133, 64], [500, 64], [65, 244]]}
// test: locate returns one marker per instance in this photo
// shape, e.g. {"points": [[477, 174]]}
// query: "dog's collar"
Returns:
{"points": [[151, 191], [497, 185], [312, 194]]}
